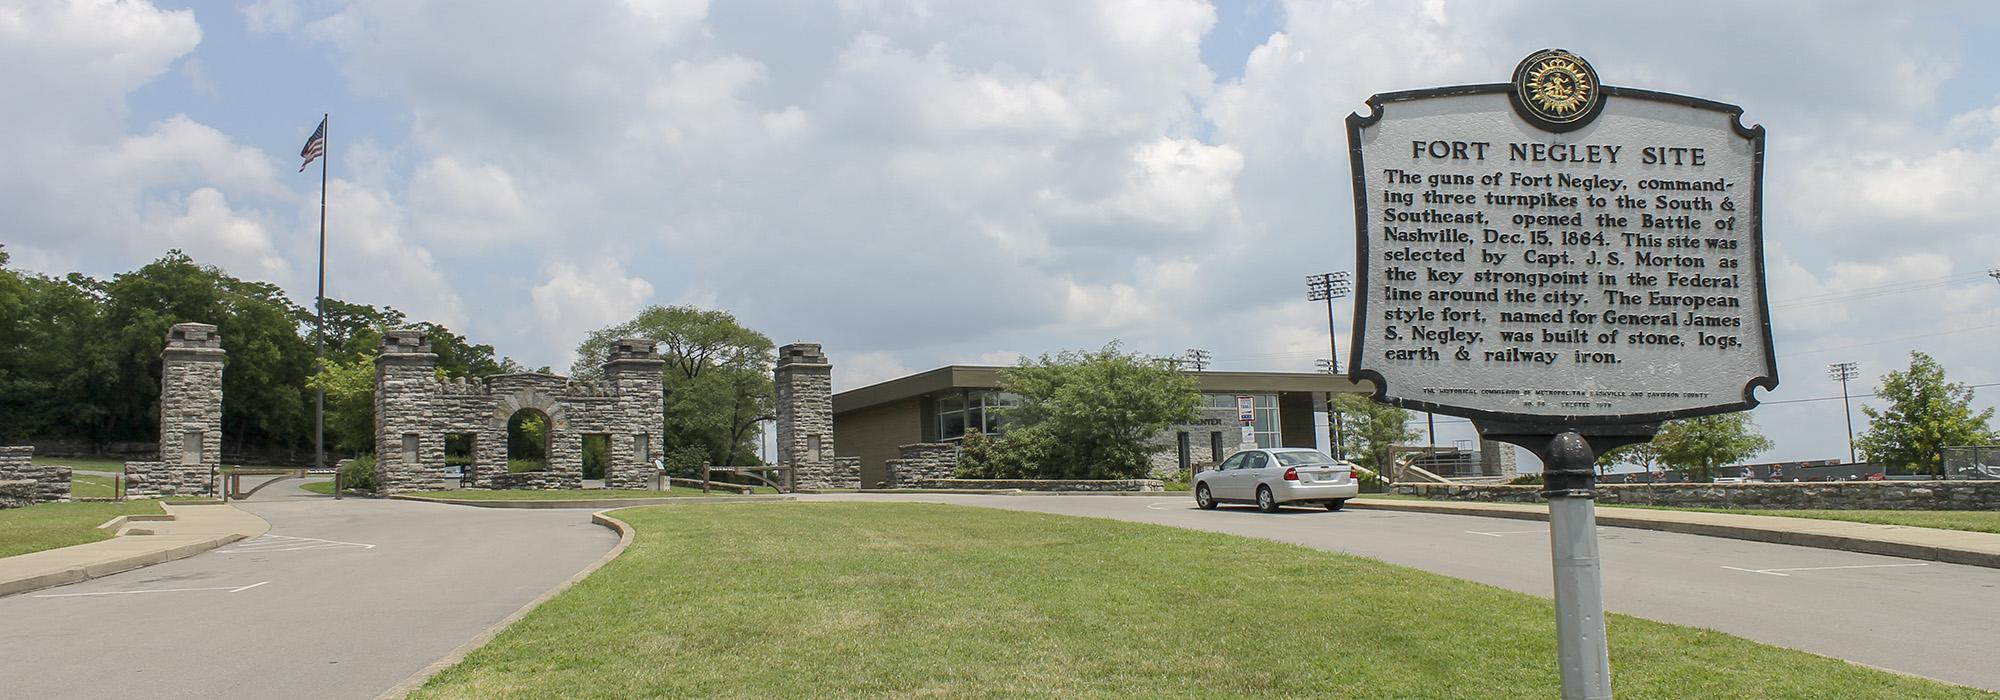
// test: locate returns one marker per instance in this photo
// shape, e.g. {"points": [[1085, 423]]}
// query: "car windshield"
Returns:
{"points": [[1304, 458]]}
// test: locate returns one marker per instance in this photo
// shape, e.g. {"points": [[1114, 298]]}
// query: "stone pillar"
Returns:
{"points": [[633, 370], [191, 407], [409, 454], [1496, 459], [804, 381]]}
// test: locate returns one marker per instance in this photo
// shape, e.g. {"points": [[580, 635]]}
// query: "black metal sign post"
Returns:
{"points": [[1568, 265]]}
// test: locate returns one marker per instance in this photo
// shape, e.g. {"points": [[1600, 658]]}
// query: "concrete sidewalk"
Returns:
{"points": [[194, 529], [1930, 544]]}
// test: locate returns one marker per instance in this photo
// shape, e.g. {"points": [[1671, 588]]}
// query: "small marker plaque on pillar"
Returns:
{"points": [[1567, 264]]}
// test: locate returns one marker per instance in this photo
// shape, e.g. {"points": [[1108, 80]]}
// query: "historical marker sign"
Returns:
{"points": [[1552, 250]]}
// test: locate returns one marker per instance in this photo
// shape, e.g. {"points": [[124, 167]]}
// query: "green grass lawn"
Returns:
{"points": [[96, 464], [91, 486], [568, 494], [847, 599], [51, 525], [1969, 520]]}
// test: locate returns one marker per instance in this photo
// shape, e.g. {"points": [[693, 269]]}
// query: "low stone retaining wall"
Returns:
{"points": [[1828, 495], [48, 484], [17, 493], [1106, 485], [535, 481], [162, 480], [920, 463]]}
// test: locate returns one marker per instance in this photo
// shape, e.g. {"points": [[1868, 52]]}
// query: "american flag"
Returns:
{"points": [[315, 146]]}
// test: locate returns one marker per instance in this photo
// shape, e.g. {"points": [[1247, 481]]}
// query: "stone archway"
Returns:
{"points": [[416, 412]]}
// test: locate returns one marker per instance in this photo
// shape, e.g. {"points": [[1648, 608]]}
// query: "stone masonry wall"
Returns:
{"points": [[1094, 485], [920, 464], [1167, 461], [804, 381], [1832, 495], [415, 413], [409, 453], [841, 473], [48, 484], [17, 493], [191, 406], [636, 424]]}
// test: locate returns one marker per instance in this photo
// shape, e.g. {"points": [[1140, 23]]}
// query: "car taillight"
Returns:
{"points": [[1292, 474]]}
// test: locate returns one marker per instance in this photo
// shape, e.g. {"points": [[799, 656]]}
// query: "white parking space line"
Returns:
{"points": [[1777, 572], [286, 543], [1157, 505], [231, 589], [1507, 532]]}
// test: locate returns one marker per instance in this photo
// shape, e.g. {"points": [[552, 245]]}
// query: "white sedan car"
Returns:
{"points": [[1277, 476]]}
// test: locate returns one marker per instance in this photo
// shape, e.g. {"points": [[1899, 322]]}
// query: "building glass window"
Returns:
{"points": [[978, 409], [1266, 428]]}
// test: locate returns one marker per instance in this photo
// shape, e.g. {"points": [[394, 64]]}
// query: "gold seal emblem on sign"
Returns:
{"points": [[1557, 89]]}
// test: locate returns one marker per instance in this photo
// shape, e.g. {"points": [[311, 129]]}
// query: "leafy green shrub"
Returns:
{"points": [[358, 474], [1526, 480], [1019, 454], [685, 462]]}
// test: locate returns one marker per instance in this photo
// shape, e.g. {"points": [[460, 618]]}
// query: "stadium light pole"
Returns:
{"points": [[1328, 286], [1845, 371], [1339, 445]]}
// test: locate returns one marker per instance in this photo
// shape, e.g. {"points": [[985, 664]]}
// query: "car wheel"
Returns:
{"points": [[1202, 498], [1336, 504], [1265, 501]]}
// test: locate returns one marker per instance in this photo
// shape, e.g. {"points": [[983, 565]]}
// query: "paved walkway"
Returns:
{"points": [[340, 599], [194, 529], [1927, 543]]}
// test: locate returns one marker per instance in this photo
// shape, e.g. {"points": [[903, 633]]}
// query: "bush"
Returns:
{"points": [[519, 464], [685, 462], [1526, 480], [983, 457], [358, 474]]}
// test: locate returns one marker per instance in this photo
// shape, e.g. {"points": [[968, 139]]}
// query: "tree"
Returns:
{"points": [[350, 402], [264, 380], [1924, 413], [1643, 455], [1696, 446], [717, 377], [1094, 415], [1371, 429]]}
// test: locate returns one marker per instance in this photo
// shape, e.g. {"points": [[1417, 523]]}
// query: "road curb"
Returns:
{"points": [[1821, 540], [99, 569], [600, 503], [417, 680]]}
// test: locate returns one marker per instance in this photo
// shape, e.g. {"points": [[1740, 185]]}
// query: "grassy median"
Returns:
{"points": [[843, 600], [51, 525], [1968, 520]]}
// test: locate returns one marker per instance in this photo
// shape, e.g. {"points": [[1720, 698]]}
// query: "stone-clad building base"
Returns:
{"points": [[841, 473]]}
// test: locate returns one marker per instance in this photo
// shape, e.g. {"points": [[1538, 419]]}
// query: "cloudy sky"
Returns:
{"points": [[915, 183]]}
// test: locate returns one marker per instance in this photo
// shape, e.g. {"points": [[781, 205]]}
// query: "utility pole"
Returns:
{"points": [[1198, 358], [1844, 371]]}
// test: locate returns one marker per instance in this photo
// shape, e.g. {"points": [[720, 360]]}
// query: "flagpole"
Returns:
{"points": [[319, 330]]}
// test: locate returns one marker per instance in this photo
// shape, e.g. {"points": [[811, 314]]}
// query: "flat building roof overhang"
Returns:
{"points": [[988, 377]]}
